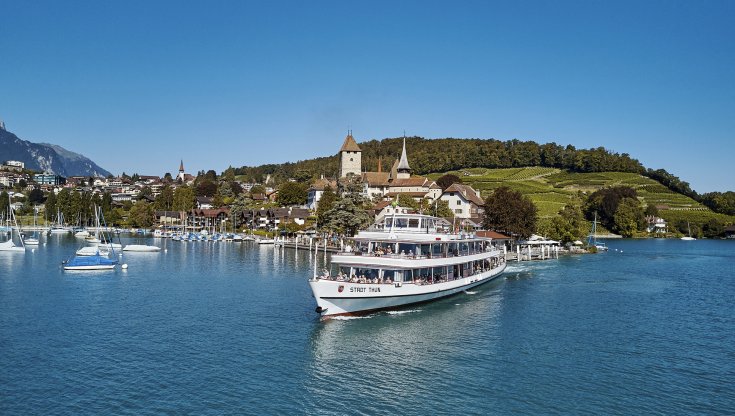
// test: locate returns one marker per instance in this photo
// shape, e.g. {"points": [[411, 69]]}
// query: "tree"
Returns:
{"points": [[4, 203], [206, 187], [325, 204], [257, 189], [165, 200], [407, 201], [35, 196], [50, 205], [346, 217], [651, 210], [448, 180], [183, 198], [441, 209], [239, 206], [509, 211], [141, 215], [302, 176], [211, 175], [605, 202], [167, 178], [569, 225], [292, 193], [145, 191], [628, 217], [713, 228]]}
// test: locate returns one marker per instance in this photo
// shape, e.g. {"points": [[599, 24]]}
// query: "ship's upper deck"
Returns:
{"points": [[410, 227]]}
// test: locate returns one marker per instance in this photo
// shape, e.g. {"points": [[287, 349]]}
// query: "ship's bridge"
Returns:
{"points": [[406, 223]]}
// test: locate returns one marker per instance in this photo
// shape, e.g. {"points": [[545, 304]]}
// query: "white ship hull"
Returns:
{"points": [[345, 298]]}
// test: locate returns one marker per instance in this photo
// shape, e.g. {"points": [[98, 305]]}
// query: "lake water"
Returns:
{"points": [[229, 328]]}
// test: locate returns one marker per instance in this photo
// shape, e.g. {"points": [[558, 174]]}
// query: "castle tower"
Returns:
{"points": [[404, 171], [350, 157], [181, 171]]}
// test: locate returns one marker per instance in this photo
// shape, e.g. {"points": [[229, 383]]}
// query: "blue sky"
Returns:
{"points": [[136, 86]]}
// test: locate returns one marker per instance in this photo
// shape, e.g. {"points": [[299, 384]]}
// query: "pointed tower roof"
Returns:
{"points": [[403, 164], [181, 166], [350, 145]]}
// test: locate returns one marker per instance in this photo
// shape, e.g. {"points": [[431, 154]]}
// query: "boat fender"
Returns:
{"points": [[319, 309]]}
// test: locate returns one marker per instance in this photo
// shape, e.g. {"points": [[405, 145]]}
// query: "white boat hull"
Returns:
{"points": [[95, 267], [344, 298], [141, 248]]}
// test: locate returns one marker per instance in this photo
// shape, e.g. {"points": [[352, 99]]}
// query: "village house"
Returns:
{"points": [[204, 202], [656, 225], [204, 218], [316, 190], [464, 201]]}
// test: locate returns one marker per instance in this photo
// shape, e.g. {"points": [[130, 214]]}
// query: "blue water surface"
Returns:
{"points": [[229, 328]]}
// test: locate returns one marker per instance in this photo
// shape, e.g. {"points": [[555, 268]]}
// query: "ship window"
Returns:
{"points": [[422, 275], [401, 222], [346, 272], [439, 273], [366, 273], [389, 275], [413, 223], [407, 249], [436, 250]]}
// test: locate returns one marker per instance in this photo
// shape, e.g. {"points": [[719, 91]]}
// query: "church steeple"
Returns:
{"points": [[404, 171], [181, 175]]}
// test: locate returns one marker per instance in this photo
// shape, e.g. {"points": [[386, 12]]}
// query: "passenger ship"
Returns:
{"points": [[400, 261]]}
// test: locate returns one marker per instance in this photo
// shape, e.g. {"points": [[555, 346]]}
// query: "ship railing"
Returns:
{"points": [[458, 253], [423, 280]]}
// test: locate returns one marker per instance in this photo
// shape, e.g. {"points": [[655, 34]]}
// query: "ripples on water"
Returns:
{"points": [[230, 329]]}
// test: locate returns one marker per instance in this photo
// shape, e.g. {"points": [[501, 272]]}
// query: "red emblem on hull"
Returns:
{"points": [[340, 288]]}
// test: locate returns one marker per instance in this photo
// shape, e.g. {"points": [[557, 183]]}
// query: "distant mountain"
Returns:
{"points": [[46, 157]]}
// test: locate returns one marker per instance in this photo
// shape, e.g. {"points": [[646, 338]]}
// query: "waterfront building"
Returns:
{"points": [[464, 201], [656, 225]]}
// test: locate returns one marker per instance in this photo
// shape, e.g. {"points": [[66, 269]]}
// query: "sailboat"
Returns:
{"points": [[93, 261], [59, 227], [592, 239], [33, 239], [9, 245], [689, 236]]}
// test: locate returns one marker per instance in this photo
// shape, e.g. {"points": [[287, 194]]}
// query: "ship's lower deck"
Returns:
{"points": [[344, 298]]}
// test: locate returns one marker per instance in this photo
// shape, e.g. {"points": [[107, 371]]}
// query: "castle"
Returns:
{"points": [[381, 185]]}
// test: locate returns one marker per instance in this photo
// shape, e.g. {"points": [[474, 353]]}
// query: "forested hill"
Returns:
{"points": [[442, 155]]}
